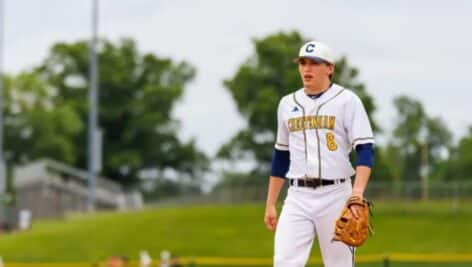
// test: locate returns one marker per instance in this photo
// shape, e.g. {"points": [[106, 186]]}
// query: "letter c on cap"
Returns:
{"points": [[309, 48]]}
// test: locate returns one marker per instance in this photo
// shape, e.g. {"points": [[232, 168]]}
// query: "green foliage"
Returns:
{"points": [[137, 93], [256, 88], [418, 140], [383, 170], [34, 127], [460, 163], [347, 76], [227, 231], [260, 83]]}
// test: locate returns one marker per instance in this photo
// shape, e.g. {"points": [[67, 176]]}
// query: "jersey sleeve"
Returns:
{"points": [[358, 126], [281, 142]]}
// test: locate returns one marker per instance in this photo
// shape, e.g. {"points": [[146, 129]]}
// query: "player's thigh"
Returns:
{"points": [[294, 235], [335, 254]]}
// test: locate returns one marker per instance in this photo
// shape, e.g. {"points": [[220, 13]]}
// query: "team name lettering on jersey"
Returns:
{"points": [[311, 122]]}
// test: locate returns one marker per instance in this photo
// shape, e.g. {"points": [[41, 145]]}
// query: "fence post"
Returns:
{"points": [[145, 259], [386, 261], [165, 259], [192, 262], [456, 196]]}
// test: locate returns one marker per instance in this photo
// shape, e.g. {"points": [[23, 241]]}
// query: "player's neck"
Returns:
{"points": [[318, 88]]}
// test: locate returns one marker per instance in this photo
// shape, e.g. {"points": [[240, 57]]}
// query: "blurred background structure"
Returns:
{"points": [[51, 189], [165, 112], [2, 164]]}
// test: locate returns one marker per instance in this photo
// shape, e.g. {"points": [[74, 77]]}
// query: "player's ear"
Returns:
{"points": [[330, 69]]}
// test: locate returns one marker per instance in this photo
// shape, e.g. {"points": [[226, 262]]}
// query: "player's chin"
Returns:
{"points": [[308, 83]]}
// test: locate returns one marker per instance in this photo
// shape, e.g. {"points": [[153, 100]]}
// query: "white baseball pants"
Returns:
{"points": [[308, 213]]}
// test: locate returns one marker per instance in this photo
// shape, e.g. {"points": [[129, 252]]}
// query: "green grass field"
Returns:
{"points": [[229, 231], [395, 264]]}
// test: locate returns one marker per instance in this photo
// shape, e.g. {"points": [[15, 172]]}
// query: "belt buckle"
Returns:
{"points": [[314, 182]]}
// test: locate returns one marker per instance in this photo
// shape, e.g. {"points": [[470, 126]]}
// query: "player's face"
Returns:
{"points": [[314, 73]]}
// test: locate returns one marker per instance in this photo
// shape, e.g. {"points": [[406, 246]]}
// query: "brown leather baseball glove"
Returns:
{"points": [[350, 230]]}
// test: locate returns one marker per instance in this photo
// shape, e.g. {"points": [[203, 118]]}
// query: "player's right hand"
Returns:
{"points": [[270, 218]]}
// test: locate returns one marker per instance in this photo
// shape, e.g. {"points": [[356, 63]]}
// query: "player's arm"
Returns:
{"points": [[275, 185], [364, 164], [279, 168], [280, 165], [361, 137], [270, 215], [361, 180]]}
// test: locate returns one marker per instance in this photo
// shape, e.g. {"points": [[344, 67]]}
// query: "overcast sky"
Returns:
{"points": [[418, 48]]}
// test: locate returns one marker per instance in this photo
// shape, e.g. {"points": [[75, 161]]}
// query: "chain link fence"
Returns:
{"points": [[454, 191]]}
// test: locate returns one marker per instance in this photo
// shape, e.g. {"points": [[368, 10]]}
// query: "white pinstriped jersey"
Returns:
{"points": [[320, 133]]}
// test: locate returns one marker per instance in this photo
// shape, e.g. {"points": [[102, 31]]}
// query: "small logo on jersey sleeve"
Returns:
{"points": [[295, 109]]}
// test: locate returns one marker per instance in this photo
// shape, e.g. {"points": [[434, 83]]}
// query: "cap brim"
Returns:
{"points": [[315, 59]]}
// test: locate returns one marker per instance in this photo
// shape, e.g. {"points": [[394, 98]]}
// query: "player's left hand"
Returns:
{"points": [[353, 225], [355, 209]]}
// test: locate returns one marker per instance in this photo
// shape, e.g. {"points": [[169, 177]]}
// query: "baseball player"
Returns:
{"points": [[318, 126]]}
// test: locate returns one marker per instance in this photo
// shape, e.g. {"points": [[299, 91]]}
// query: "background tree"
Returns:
{"points": [[418, 140], [136, 97], [259, 84], [34, 128], [459, 167]]}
